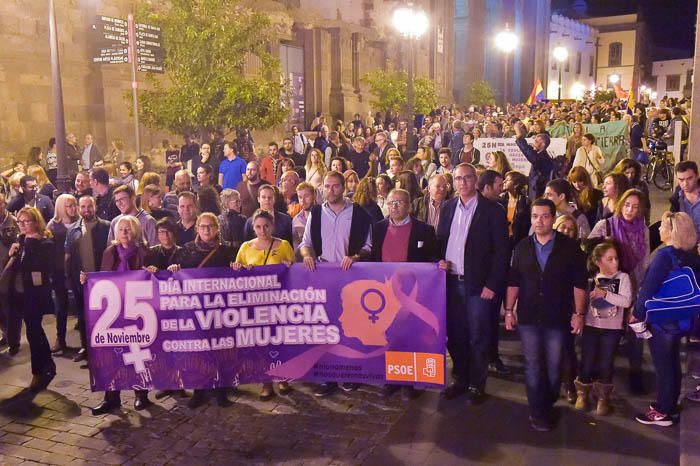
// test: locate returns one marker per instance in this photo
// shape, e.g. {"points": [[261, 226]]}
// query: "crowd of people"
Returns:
{"points": [[564, 253]]}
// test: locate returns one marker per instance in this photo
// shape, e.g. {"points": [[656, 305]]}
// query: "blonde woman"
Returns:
{"points": [[30, 290], [315, 168], [498, 161], [65, 218], [678, 234]]}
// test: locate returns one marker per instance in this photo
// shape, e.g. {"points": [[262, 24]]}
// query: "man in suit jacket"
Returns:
{"points": [[548, 282], [415, 244], [473, 238], [91, 153]]}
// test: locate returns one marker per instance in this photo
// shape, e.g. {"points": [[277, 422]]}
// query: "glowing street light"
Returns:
{"points": [[560, 54], [506, 42], [614, 78], [412, 24]]}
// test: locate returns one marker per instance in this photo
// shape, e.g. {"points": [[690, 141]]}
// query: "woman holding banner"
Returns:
{"points": [[207, 250], [30, 290], [265, 250], [127, 252]]}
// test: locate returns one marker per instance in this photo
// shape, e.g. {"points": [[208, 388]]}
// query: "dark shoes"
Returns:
{"points": [[267, 393], [498, 367], [81, 355], [325, 389], [348, 387], [41, 381], [454, 390], [284, 388], [106, 406], [222, 400], [59, 349], [475, 396], [142, 402], [160, 394], [199, 397], [541, 424]]}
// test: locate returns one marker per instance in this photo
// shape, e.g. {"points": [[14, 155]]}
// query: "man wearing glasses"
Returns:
{"points": [[473, 237], [125, 199], [30, 197]]}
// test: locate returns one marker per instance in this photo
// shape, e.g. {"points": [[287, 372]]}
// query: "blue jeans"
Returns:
{"points": [[542, 348], [469, 330], [665, 353]]}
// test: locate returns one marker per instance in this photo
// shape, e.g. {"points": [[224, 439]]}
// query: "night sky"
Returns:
{"points": [[671, 23]]}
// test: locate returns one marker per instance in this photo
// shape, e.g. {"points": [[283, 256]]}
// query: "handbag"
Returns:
{"points": [[677, 302], [597, 173]]}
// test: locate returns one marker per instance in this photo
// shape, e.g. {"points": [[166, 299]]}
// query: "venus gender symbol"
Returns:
{"points": [[373, 308]]}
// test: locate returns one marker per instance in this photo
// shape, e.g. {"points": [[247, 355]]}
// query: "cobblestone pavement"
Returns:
{"points": [[56, 427]]}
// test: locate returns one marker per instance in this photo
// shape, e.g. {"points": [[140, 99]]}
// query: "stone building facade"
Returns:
{"points": [[326, 47]]}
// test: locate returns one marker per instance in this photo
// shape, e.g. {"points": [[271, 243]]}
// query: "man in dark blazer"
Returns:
{"points": [[473, 237], [417, 245], [548, 282]]}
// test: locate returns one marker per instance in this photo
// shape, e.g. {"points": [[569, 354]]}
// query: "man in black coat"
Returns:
{"points": [[547, 275], [389, 244], [542, 163], [30, 197], [473, 237]]}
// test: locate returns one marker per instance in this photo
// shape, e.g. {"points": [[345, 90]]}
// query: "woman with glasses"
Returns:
{"points": [[207, 250], [30, 290], [231, 220], [265, 249]]}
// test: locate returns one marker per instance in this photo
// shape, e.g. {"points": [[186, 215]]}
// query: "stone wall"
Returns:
{"points": [[339, 47]]}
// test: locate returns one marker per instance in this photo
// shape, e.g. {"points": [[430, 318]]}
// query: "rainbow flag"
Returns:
{"points": [[537, 94]]}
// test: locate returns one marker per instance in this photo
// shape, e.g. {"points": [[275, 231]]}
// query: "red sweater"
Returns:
{"points": [[395, 247]]}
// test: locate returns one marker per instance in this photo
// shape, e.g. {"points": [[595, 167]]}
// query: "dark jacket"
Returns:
{"points": [[541, 171], [486, 252], [457, 157], [106, 208], [546, 297], [33, 257], [421, 242], [232, 228], [283, 227], [162, 258], [100, 232], [375, 212], [192, 256], [73, 156], [43, 203], [521, 217]]}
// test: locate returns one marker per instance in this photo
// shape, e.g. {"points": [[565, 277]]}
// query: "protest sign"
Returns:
{"points": [[612, 139], [210, 328], [516, 158]]}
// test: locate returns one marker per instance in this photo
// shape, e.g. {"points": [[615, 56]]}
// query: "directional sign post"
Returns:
{"points": [[149, 48], [110, 40]]}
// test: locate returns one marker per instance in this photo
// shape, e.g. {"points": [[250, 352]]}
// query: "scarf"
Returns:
{"points": [[630, 238], [203, 246], [125, 255]]}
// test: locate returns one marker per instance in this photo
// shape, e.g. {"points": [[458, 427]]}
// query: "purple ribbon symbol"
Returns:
{"points": [[373, 312]]}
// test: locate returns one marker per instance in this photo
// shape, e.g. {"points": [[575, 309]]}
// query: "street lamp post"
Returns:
{"points": [[560, 55], [63, 177], [412, 24], [506, 42]]}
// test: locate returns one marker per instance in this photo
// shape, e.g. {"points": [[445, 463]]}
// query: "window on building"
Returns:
{"points": [[615, 54], [591, 65], [673, 82], [578, 62]]}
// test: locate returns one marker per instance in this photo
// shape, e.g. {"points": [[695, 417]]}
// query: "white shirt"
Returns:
{"points": [[459, 231], [335, 233]]}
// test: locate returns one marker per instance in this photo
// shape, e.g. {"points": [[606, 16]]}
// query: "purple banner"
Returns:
{"points": [[210, 328]]}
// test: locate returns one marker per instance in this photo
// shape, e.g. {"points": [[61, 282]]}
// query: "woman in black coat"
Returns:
{"points": [[30, 290]]}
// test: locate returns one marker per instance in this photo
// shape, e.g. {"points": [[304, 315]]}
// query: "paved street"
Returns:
{"points": [[56, 427]]}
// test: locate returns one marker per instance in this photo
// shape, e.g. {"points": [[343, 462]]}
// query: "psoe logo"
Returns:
{"points": [[415, 367]]}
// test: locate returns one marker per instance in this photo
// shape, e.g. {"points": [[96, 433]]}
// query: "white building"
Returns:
{"points": [[672, 77], [578, 70]]}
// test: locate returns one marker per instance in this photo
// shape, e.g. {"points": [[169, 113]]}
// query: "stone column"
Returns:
{"points": [[341, 94], [694, 141]]}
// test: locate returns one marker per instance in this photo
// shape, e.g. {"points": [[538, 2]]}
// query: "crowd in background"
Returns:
{"points": [[564, 253]]}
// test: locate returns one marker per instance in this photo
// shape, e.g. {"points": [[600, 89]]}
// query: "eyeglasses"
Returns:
{"points": [[25, 222], [396, 203], [206, 226]]}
